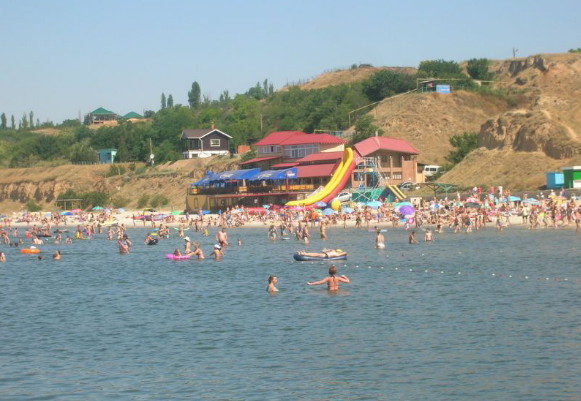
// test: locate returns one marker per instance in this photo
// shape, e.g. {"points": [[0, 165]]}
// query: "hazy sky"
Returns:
{"points": [[62, 57]]}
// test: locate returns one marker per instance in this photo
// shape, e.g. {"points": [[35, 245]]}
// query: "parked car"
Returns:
{"points": [[344, 196], [408, 185]]}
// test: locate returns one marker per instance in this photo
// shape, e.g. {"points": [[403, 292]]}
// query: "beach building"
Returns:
{"points": [[100, 116], [107, 155], [572, 176], [291, 165], [205, 143]]}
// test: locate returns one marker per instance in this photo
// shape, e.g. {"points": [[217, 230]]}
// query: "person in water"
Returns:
{"points": [[379, 240], [412, 238], [325, 253], [332, 281], [217, 252], [2, 257], [197, 251], [272, 280], [57, 255], [177, 252], [124, 244]]}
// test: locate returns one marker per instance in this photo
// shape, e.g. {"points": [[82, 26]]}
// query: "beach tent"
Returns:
{"points": [[205, 180], [290, 173], [235, 175]]}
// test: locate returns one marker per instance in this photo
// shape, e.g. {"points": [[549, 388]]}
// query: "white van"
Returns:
{"points": [[430, 170]]}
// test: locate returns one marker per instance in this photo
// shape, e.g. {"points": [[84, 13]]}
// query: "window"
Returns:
{"points": [[298, 151], [214, 143], [269, 149]]}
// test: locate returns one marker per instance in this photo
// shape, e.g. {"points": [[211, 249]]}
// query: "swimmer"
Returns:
{"points": [[379, 240], [272, 280], [332, 281], [2, 257], [217, 252], [57, 255], [429, 236], [177, 252], [412, 238], [124, 244], [325, 253], [239, 242], [197, 251]]}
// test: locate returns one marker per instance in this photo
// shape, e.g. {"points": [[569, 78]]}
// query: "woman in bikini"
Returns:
{"points": [[332, 281]]}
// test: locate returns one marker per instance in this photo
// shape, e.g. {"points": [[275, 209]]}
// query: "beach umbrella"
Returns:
{"points": [[374, 204], [473, 205], [176, 213], [66, 213], [205, 211], [320, 204], [97, 208], [328, 211], [76, 210], [514, 198], [407, 210], [347, 210], [266, 206]]}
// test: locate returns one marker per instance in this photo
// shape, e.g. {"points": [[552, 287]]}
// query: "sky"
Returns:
{"points": [[64, 58]]}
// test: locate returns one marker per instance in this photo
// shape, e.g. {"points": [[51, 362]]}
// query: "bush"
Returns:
{"points": [[119, 202], [142, 201], [158, 200], [115, 169], [32, 206]]}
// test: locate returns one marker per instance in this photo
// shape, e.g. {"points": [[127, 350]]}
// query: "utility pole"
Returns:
{"points": [[514, 52]]}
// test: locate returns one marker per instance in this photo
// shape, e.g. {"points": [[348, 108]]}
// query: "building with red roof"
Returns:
{"points": [[290, 146]]}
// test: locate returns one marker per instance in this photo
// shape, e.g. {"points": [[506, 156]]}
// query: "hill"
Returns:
{"points": [[528, 122]]}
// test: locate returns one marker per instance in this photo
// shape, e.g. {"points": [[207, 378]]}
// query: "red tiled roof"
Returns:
{"points": [[284, 165], [283, 138], [313, 138], [276, 138], [374, 143], [315, 170], [259, 159], [321, 156]]}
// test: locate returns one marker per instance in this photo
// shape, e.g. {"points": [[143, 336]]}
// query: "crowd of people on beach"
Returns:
{"points": [[431, 216]]}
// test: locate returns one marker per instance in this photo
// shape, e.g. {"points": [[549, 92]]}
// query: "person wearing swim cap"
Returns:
{"points": [[217, 252]]}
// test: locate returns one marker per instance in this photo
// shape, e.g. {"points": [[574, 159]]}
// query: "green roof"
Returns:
{"points": [[101, 110], [132, 114]]}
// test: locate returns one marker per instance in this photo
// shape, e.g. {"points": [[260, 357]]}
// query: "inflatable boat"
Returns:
{"points": [[300, 257]]}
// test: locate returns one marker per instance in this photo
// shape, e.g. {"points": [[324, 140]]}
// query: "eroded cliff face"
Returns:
{"points": [[44, 191], [532, 131]]}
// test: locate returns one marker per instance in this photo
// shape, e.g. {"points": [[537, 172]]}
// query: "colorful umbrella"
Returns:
{"points": [[407, 210], [328, 211]]}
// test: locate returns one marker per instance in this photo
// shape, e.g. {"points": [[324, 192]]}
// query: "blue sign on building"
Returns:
{"points": [[442, 88]]}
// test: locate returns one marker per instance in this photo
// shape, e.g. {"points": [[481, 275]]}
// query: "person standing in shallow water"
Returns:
{"points": [[332, 281], [272, 280]]}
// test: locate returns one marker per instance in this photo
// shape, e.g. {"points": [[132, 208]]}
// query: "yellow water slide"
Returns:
{"points": [[343, 168]]}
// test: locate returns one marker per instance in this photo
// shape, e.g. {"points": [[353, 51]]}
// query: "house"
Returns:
{"points": [[205, 143], [107, 155], [385, 159], [100, 116], [278, 149]]}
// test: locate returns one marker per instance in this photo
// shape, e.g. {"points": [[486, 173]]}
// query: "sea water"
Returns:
{"points": [[473, 316]]}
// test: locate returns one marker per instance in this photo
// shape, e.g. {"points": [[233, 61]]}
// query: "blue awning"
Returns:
{"points": [[235, 175], [204, 181], [290, 173]]}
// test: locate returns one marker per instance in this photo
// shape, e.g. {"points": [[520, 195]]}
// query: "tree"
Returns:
{"points": [[577, 50], [13, 123], [440, 69], [478, 68], [170, 101], [24, 122], [3, 121], [31, 119], [364, 128], [194, 96], [463, 145], [387, 83], [163, 101]]}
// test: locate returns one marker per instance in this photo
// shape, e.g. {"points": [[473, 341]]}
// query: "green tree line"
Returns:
{"points": [[246, 117]]}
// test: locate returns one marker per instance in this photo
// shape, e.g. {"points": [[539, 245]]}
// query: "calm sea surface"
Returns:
{"points": [[481, 316]]}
